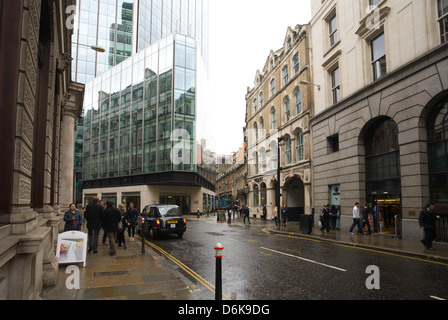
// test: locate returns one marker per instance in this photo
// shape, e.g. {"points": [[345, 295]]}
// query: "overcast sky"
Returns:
{"points": [[242, 33]]}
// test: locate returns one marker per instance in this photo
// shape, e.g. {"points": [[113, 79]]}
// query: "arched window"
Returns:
{"points": [[383, 157], [256, 132], [255, 105], [438, 152], [272, 87], [261, 99], [256, 196], [299, 101], [287, 109], [296, 63], [262, 131], [288, 154], [263, 159], [273, 119], [255, 162], [299, 146], [285, 75], [274, 154]]}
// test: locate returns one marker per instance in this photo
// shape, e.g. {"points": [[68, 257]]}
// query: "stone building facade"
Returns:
{"points": [[39, 104], [280, 105], [231, 182], [379, 132]]}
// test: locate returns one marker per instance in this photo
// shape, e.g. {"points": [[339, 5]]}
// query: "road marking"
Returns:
{"points": [[201, 280], [304, 259], [355, 246], [437, 298]]}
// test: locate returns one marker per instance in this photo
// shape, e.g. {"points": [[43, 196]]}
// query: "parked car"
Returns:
{"points": [[161, 219]]}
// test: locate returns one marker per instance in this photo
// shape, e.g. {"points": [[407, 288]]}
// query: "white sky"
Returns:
{"points": [[241, 35]]}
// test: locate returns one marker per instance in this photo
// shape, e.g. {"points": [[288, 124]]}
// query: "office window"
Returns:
{"points": [[335, 85], [255, 105], [443, 19], [378, 57], [273, 119], [296, 61], [272, 87], [261, 100], [285, 75], [256, 163], [256, 131], [299, 146], [333, 143], [262, 127], [288, 158], [287, 109], [333, 30], [299, 101]]}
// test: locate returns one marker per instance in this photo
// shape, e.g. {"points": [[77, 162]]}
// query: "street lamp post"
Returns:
{"points": [[277, 188], [93, 47]]}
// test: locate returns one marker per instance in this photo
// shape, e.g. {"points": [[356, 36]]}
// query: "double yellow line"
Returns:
{"points": [[196, 276]]}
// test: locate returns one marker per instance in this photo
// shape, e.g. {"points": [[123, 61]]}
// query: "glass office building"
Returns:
{"points": [[132, 109], [125, 27], [146, 83]]}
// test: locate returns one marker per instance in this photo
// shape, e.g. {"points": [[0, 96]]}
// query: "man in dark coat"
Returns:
{"points": [[365, 218], [93, 217], [110, 218], [325, 218], [427, 221]]}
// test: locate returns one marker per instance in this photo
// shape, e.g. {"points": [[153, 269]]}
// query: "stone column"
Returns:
{"points": [[71, 111]]}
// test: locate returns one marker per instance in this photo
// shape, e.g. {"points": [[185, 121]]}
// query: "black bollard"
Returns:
{"points": [[218, 280]]}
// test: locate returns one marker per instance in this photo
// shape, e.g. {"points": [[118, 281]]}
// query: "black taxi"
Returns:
{"points": [[161, 219]]}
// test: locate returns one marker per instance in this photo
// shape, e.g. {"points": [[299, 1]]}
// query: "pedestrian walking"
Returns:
{"points": [[356, 220], [73, 219], [198, 214], [131, 218], [110, 218], [275, 216], [334, 215], [122, 226], [93, 217], [284, 215], [365, 219], [325, 218], [246, 212], [427, 222]]}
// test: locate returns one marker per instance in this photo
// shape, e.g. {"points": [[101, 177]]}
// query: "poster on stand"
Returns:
{"points": [[72, 247]]}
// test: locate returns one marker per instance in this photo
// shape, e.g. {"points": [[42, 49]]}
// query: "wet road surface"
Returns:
{"points": [[258, 265]]}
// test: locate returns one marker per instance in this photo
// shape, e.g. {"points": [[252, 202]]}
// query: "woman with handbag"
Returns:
{"points": [[73, 219]]}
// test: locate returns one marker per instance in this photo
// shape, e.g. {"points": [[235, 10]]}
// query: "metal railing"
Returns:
{"points": [[442, 228]]}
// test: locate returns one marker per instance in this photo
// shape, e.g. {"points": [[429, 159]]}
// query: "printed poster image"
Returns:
{"points": [[72, 247]]}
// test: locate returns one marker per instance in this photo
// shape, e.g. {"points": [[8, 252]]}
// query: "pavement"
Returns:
{"points": [[128, 275], [133, 275]]}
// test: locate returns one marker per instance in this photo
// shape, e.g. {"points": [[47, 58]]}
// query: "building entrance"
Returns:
{"points": [[182, 201], [383, 208]]}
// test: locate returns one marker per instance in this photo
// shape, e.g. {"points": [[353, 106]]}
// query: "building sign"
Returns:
{"points": [[72, 247]]}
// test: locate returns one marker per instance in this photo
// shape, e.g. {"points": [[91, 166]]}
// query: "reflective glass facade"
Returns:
{"points": [[124, 27], [132, 109]]}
